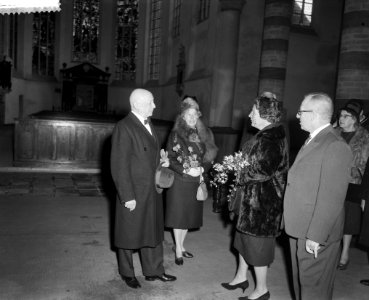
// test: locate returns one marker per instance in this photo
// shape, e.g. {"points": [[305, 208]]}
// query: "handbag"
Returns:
{"points": [[202, 191]]}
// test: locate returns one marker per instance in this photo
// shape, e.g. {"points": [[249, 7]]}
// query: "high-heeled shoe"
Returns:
{"points": [[243, 285], [343, 266], [177, 260], [265, 296], [187, 254]]}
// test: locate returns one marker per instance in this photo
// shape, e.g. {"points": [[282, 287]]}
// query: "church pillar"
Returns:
{"points": [[273, 64], [353, 68], [224, 71]]}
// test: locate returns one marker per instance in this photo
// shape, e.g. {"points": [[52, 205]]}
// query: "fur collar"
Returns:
{"points": [[201, 134], [186, 132]]}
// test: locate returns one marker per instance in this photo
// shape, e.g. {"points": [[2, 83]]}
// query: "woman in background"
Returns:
{"points": [[357, 138]]}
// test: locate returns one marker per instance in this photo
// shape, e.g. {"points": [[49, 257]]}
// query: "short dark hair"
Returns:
{"points": [[192, 97], [269, 108]]}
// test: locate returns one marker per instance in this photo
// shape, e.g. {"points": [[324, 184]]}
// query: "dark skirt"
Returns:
{"points": [[352, 210], [183, 211], [257, 251], [352, 218]]}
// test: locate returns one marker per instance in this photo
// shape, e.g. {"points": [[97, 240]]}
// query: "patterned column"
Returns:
{"points": [[277, 23], [353, 69], [224, 70]]}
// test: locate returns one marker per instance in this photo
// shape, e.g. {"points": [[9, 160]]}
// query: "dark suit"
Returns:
{"points": [[314, 209], [134, 158]]}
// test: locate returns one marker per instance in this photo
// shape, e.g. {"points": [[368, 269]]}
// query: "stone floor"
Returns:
{"points": [[55, 243], [50, 184]]}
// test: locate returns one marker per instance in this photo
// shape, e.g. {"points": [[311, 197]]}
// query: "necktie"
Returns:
{"points": [[146, 121]]}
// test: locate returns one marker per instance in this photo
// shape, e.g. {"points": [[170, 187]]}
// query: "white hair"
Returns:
{"points": [[323, 105]]}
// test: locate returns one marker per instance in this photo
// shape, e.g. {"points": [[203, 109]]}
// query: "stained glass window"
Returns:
{"points": [[126, 39], [302, 12], [13, 39], [204, 8], [155, 39], [86, 30], [43, 44], [2, 35], [176, 17]]}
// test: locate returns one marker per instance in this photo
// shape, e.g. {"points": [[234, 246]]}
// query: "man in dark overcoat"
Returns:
{"points": [[314, 200], [139, 222]]}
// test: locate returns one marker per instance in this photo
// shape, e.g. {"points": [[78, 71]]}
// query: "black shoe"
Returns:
{"points": [[343, 266], [178, 261], [243, 285], [365, 282], [164, 277], [187, 254], [265, 296], [132, 282]]}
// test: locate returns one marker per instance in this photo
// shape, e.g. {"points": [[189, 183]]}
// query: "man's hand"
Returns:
{"points": [[131, 205], [312, 247], [362, 204]]}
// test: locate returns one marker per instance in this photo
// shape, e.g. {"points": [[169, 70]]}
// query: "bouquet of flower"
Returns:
{"points": [[229, 170], [187, 161]]}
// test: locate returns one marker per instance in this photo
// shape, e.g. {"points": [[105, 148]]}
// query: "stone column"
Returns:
{"points": [[277, 23], [224, 70], [353, 68]]}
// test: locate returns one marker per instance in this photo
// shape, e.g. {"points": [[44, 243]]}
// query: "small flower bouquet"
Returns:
{"points": [[187, 161], [225, 177], [229, 170]]}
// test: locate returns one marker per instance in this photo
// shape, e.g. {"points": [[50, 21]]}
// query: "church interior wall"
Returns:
{"points": [[312, 61], [248, 62], [311, 65]]}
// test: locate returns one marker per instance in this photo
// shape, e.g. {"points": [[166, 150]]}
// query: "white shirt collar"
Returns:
{"points": [[316, 131], [142, 119]]}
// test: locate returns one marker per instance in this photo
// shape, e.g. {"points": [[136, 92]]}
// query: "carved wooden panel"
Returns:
{"points": [[72, 143], [45, 143]]}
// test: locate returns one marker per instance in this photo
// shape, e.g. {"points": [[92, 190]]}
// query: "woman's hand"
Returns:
{"points": [[195, 172], [164, 160]]}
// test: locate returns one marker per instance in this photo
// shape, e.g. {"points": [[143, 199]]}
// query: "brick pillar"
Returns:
{"points": [[277, 23], [353, 68], [224, 70]]}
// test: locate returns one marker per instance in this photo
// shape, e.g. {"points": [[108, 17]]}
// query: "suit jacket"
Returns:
{"points": [[134, 158], [316, 189]]}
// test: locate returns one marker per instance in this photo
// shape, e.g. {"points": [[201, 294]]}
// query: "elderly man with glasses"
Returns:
{"points": [[314, 200]]}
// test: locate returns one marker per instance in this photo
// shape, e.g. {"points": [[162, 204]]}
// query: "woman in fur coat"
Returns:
{"points": [[262, 187], [188, 149], [357, 138]]}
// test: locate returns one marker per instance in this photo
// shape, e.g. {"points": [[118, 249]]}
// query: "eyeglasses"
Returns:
{"points": [[299, 112]]}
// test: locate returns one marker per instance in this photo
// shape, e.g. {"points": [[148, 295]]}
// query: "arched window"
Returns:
{"points": [[43, 43], [86, 30], [176, 18], [13, 39], [302, 12], [155, 40], [126, 40], [204, 9]]}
